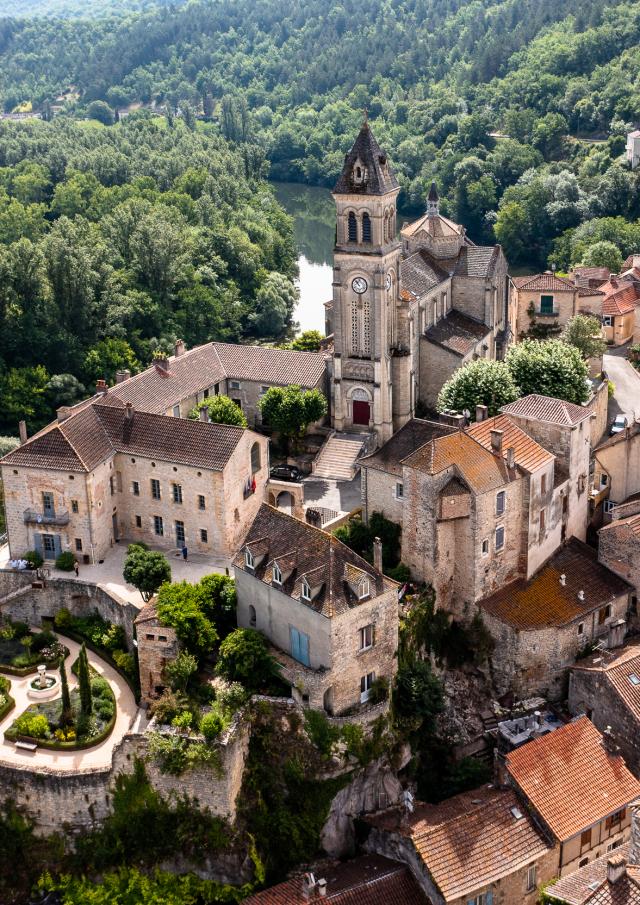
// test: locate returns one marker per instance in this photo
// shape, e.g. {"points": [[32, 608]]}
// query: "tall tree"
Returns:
{"points": [[84, 682]]}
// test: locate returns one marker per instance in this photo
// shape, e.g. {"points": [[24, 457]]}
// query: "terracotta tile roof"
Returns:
{"points": [[547, 409], [479, 469], [588, 885], [379, 176], [616, 669], [477, 261], [528, 454], [598, 275], [586, 292], [457, 333], [419, 274], [621, 437], [367, 880], [154, 390], [274, 534], [625, 527], [436, 226], [570, 778], [408, 439], [621, 301], [544, 601], [543, 282], [102, 428], [470, 840]]}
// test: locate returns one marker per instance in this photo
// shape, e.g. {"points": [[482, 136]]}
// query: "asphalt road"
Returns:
{"points": [[627, 382]]}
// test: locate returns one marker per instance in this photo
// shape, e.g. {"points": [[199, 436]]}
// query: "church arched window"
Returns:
{"points": [[366, 228], [353, 227]]}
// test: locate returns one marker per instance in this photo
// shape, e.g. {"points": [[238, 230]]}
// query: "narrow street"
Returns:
{"points": [[626, 399]]}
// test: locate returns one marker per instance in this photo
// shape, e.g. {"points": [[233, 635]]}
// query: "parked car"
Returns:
{"points": [[285, 472], [619, 424]]}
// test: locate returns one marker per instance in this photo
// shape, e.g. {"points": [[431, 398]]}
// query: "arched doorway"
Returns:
{"points": [[285, 502], [360, 407]]}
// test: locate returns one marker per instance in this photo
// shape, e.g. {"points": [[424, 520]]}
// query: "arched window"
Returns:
{"points": [[385, 228], [353, 227], [255, 458], [248, 558], [366, 228], [276, 574], [252, 616]]}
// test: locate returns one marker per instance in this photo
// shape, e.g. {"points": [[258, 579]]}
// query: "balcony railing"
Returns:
{"points": [[554, 313], [32, 516]]}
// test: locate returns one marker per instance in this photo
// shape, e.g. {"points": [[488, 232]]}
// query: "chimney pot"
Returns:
{"points": [[179, 348], [161, 364], [101, 387], [22, 428], [128, 410], [616, 868], [580, 594], [482, 412], [204, 414], [377, 553], [322, 888], [511, 457], [496, 442]]}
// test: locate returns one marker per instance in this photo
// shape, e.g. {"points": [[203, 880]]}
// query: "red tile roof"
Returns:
{"points": [[543, 601], [548, 409], [621, 301], [616, 673], [528, 454], [543, 282], [589, 886], [570, 778], [479, 469], [470, 840], [367, 880]]}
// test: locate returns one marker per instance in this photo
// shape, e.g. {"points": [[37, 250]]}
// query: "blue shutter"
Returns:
{"points": [[489, 898], [295, 643], [37, 538], [57, 545], [304, 648]]}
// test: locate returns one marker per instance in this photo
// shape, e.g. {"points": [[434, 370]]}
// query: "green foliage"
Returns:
{"points": [[84, 683], [65, 561], [552, 368], [418, 697], [360, 537], [603, 254], [34, 559], [65, 698], [23, 854], [320, 731], [34, 725], [308, 341], [585, 333], [178, 672], [107, 357], [244, 657], [179, 607], [146, 570], [168, 706], [290, 410], [217, 600], [101, 112], [212, 724], [8, 444], [439, 776], [481, 382], [220, 410], [175, 754]]}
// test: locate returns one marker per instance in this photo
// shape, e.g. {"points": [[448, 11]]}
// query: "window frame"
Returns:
{"points": [[532, 877], [366, 682], [156, 489], [176, 411], [484, 548], [544, 302], [364, 589], [607, 320], [204, 536], [399, 491], [135, 488], [176, 492], [249, 561], [276, 575], [75, 508], [202, 502], [305, 590], [367, 632], [500, 528], [501, 502], [158, 523]]}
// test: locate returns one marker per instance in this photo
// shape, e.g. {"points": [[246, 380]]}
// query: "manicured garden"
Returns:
{"points": [[21, 650], [79, 718], [105, 638], [6, 701]]}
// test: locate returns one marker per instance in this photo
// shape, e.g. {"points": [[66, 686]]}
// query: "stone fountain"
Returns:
{"points": [[44, 686]]}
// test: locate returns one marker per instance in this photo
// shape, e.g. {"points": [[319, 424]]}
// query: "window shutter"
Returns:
{"points": [[489, 898], [57, 545], [37, 538]]}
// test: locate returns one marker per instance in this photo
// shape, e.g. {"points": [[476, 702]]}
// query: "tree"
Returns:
{"points": [[179, 607], [84, 682], [603, 254], [481, 382], [244, 657], [290, 410], [220, 410], [64, 389], [275, 301], [217, 599], [102, 112], [551, 368], [308, 341], [107, 357], [66, 714], [585, 333], [179, 671], [417, 696], [146, 570]]}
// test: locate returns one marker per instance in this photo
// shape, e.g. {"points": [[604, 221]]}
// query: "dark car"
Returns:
{"points": [[285, 473]]}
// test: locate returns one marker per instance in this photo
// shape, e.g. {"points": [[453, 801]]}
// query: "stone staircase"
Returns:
{"points": [[337, 458]]}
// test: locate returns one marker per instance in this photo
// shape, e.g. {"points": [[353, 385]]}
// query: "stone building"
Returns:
{"points": [[612, 879], [478, 847], [606, 688], [616, 476], [157, 646], [331, 616], [543, 300], [577, 791], [619, 550], [405, 313], [106, 472], [540, 625]]}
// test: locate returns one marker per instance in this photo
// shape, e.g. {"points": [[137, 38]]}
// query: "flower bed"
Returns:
{"points": [[41, 723], [6, 701], [21, 650]]}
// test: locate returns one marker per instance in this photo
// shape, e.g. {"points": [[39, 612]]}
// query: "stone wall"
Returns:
{"points": [[379, 495], [599, 406]]}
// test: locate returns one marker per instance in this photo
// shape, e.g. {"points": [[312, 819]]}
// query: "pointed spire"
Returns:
{"points": [[433, 201], [365, 170]]}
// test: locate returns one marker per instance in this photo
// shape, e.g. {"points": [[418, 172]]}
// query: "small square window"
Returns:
{"points": [[74, 506], [162, 637], [234, 384], [138, 521], [581, 628], [150, 637], [264, 390], [609, 505], [604, 480], [607, 321], [204, 535], [79, 544]]}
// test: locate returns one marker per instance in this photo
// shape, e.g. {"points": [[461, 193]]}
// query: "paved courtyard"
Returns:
{"points": [[90, 758], [342, 496]]}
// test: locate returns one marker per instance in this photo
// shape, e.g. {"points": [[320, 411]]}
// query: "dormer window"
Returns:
{"points": [[276, 574], [305, 590], [248, 559], [364, 590]]}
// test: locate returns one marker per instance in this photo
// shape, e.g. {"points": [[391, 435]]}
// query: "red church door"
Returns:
{"points": [[361, 411]]}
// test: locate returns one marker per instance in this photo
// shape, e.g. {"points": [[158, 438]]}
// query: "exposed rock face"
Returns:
{"points": [[466, 694], [375, 788]]}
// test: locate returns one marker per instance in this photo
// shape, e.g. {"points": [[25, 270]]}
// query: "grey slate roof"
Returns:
{"points": [[457, 333], [477, 260], [379, 178], [419, 273], [407, 440]]}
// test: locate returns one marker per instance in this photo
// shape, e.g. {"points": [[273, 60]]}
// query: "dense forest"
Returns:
{"points": [[114, 242], [519, 108]]}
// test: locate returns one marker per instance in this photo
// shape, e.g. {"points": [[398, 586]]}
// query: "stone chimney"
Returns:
{"points": [[22, 428], [511, 457], [482, 412], [377, 553], [322, 888], [123, 375], [63, 413], [616, 868], [161, 364], [204, 414], [101, 388], [454, 419], [634, 843], [496, 442], [179, 348], [128, 411], [613, 282], [608, 741]]}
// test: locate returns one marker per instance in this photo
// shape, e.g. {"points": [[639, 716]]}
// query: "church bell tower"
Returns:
{"points": [[370, 390]]}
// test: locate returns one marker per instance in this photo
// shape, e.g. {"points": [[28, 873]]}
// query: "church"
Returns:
{"points": [[407, 309]]}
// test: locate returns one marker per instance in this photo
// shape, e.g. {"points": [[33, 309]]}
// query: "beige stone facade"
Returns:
{"points": [[157, 646], [543, 300], [617, 466]]}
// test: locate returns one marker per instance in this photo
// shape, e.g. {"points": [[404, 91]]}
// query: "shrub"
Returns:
{"points": [[126, 662], [42, 640], [212, 724], [146, 570], [19, 630], [179, 671], [167, 706], [34, 725], [105, 710], [400, 573], [320, 731], [179, 607], [379, 691], [34, 559], [65, 561], [244, 657], [183, 720], [231, 696]]}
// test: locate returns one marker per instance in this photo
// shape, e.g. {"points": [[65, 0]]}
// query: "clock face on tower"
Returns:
{"points": [[359, 285], [387, 282]]}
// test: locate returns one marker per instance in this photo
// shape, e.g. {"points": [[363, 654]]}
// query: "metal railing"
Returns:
{"points": [[32, 516]]}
